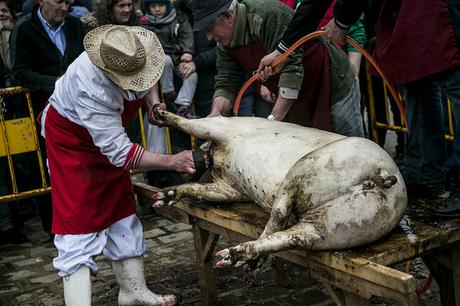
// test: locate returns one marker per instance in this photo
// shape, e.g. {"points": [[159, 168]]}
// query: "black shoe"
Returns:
{"points": [[436, 191], [449, 208], [12, 235]]}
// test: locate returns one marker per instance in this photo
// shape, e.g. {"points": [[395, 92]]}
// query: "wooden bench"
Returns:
{"points": [[350, 277]]}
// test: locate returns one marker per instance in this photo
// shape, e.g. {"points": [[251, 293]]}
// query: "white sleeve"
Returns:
{"points": [[99, 108]]}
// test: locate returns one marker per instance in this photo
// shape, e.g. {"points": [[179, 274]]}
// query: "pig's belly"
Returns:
{"points": [[335, 196], [257, 164]]}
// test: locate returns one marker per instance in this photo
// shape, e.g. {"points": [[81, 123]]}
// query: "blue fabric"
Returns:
{"points": [[247, 103], [449, 82], [78, 11], [424, 158]]}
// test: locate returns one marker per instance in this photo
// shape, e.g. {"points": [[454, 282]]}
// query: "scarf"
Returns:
{"points": [[165, 20]]}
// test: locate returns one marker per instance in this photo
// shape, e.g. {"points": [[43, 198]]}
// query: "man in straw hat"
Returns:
{"points": [[316, 86], [89, 150]]}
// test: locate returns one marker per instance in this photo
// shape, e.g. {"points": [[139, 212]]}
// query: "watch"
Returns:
{"points": [[271, 117]]}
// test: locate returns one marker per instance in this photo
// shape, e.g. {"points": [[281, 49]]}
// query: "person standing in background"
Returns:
{"points": [[42, 46]]}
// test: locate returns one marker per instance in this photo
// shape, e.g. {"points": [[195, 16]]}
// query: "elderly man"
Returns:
{"points": [[327, 97], [43, 44]]}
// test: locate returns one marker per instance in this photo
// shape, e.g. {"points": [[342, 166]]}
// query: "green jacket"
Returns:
{"points": [[264, 21]]}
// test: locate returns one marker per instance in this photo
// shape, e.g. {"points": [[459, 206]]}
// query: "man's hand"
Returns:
{"points": [[267, 95], [183, 162], [187, 68], [220, 106], [152, 114], [334, 33], [265, 69], [186, 57], [152, 103], [281, 108]]}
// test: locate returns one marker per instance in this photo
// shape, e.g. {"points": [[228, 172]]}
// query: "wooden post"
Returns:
{"points": [[442, 273], [205, 242]]}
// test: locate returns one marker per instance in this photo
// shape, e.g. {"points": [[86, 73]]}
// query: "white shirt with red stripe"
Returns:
{"points": [[85, 96]]}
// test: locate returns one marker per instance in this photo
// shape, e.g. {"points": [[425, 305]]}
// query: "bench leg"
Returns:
{"points": [[352, 299], [205, 242], [445, 267]]}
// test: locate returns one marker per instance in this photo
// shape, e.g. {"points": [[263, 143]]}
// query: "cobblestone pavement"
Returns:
{"points": [[28, 278]]}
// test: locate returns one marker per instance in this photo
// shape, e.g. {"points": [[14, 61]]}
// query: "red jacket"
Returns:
{"points": [[415, 39]]}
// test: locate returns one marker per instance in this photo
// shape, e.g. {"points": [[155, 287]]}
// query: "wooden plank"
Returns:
{"points": [[209, 246], [360, 287], [173, 214], [204, 263], [397, 247], [359, 267]]}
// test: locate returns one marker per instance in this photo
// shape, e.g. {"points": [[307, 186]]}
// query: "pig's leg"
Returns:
{"points": [[300, 236], [216, 128], [281, 210], [212, 192]]}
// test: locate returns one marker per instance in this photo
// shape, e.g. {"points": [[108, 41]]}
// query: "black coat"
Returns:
{"points": [[36, 62], [205, 61]]}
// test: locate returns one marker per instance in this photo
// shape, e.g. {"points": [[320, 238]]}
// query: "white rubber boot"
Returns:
{"points": [[77, 288], [133, 290]]}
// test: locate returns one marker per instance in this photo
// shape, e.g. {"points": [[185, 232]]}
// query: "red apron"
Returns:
{"points": [[89, 193], [312, 108], [415, 39]]}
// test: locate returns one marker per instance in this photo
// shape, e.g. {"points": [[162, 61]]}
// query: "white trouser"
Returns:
{"points": [[123, 239]]}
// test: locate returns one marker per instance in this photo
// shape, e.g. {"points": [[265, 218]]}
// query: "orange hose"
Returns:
{"points": [[306, 38]]}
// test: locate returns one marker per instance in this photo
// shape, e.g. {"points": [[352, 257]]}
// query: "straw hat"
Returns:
{"points": [[132, 57]]}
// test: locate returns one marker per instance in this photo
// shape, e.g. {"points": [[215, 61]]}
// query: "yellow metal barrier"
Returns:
{"points": [[375, 125], [450, 134], [20, 136]]}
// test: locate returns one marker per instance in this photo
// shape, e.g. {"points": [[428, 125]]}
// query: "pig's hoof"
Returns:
{"points": [[225, 258], [252, 264], [168, 197], [233, 256]]}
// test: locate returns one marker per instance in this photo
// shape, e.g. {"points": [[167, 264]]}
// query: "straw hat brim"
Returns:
{"points": [[140, 80]]}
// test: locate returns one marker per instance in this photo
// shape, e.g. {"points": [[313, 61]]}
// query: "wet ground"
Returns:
{"points": [[28, 278]]}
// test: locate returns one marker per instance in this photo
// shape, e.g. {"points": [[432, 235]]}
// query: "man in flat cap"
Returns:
{"points": [[316, 85]]}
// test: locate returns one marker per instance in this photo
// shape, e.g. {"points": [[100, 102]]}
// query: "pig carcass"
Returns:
{"points": [[341, 191]]}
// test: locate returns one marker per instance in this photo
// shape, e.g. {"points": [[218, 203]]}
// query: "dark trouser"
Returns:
{"points": [[426, 150], [425, 156]]}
